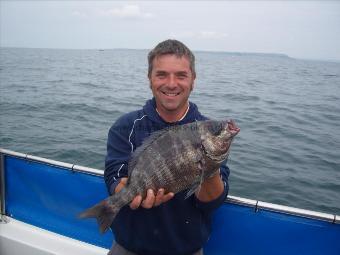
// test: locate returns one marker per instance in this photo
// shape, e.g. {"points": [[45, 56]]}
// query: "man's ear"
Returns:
{"points": [[149, 78], [193, 83]]}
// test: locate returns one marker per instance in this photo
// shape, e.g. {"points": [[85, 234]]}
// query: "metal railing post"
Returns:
{"points": [[2, 188]]}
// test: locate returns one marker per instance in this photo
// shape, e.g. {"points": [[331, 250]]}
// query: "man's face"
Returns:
{"points": [[171, 82]]}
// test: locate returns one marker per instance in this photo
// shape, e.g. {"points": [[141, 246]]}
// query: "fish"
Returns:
{"points": [[176, 158]]}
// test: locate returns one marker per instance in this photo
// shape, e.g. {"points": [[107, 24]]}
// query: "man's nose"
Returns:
{"points": [[172, 81]]}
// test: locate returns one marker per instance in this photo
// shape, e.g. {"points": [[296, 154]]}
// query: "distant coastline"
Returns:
{"points": [[229, 53]]}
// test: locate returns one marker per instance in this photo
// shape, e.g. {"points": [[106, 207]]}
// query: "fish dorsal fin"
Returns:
{"points": [[145, 144]]}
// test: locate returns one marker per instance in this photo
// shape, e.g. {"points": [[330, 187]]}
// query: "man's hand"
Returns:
{"points": [[211, 188], [151, 198]]}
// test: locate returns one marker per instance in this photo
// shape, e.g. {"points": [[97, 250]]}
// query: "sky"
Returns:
{"points": [[300, 29]]}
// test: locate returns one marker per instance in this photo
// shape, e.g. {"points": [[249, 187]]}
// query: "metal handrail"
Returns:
{"points": [[256, 204], [2, 187], [64, 165]]}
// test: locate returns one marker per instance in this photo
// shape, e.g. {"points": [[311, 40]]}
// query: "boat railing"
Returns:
{"points": [[2, 187], [255, 204]]}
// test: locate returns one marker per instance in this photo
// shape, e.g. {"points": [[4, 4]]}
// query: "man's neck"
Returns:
{"points": [[173, 117]]}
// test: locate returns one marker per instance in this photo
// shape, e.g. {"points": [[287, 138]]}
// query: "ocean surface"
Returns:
{"points": [[60, 104]]}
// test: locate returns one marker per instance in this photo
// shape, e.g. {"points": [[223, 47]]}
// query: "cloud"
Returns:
{"points": [[79, 14], [211, 35], [206, 35], [126, 12]]}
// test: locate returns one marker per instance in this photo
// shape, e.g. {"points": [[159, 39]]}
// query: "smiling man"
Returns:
{"points": [[171, 81], [161, 223]]}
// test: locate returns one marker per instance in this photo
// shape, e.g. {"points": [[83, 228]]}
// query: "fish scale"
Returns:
{"points": [[176, 159]]}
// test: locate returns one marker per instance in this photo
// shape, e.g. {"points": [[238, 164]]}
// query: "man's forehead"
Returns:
{"points": [[163, 56], [173, 59]]}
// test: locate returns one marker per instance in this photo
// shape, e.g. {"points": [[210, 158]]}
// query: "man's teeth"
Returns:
{"points": [[171, 94]]}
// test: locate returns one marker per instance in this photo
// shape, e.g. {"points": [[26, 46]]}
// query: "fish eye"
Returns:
{"points": [[215, 129]]}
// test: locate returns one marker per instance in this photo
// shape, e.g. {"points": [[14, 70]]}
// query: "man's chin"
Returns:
{"points": [[170, 107]]}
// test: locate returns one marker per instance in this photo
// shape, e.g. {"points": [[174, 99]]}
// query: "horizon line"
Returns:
{"points": [[194, 50]]}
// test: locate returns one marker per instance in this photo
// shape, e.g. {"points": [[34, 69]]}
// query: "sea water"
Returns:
{"points": [[60, 104]]}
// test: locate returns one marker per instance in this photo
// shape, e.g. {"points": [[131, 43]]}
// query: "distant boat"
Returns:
{"points": [[41, 198]]}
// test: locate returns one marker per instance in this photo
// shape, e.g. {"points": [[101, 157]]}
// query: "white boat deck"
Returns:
{"points": [[17, 238]]}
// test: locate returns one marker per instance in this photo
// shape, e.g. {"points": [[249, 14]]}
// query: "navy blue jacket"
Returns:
{"points": [[179, 226]]}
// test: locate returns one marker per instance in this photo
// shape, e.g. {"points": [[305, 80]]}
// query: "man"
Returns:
{"points": [[162, 223]]}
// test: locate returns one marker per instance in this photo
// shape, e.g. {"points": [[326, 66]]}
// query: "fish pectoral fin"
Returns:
{"points": [[192, 190], [197, 186], [199, 181]]}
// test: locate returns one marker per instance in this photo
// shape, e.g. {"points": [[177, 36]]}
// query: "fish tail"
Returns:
{"points": [[104, 212]]}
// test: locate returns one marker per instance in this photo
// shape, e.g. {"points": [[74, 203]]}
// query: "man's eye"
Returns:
{"points": [[182, 76]]}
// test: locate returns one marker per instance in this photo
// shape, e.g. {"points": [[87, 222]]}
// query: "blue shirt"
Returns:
{"points": [[179, 226]]}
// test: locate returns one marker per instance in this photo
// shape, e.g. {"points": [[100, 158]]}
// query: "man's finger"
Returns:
{"points": [[168, 196], [159, 197], [136, 202], [149, 200], [121, 184]]}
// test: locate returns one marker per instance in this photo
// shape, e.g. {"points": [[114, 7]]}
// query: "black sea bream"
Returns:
{"points": [[176, 158]]}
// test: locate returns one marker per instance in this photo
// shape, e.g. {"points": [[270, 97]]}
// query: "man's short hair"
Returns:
{"points": [[172, 47]]}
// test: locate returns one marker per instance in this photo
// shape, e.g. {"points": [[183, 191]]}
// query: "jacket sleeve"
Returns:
{"points": [[118, 154], [212, 205]]}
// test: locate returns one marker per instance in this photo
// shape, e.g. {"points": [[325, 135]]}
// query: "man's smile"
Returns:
{"points": [[171, 94]]}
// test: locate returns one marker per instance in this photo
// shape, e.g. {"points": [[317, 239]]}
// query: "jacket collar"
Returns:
{"points": [[150, 110]]}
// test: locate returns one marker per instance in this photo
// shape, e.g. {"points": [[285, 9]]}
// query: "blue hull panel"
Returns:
{"points": [[240, 230], [51, 197]]}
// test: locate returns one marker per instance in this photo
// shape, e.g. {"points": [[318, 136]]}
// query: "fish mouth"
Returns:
{"points": [[232, 128], [231, 131]]}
